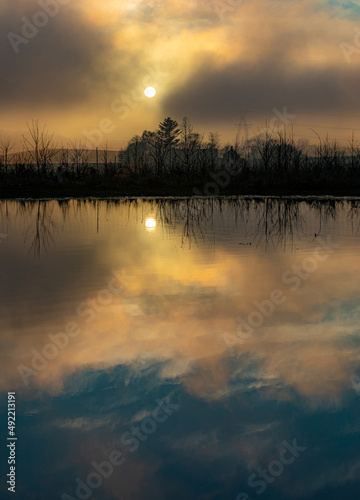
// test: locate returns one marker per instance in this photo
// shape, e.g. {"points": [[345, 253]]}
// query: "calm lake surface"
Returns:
{"points": [[182, 349]]}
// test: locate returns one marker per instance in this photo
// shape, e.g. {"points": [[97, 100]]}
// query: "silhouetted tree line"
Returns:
{"points": [[176, 155]]}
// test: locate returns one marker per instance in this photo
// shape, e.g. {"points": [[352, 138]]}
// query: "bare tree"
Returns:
{"points": [[190, 145], [64, 157], [6, 145], [332, 159], [78, 156], [212, 147], [264, 143], [105, 155], [39, 146], [155, 149], [288, 155], [135, 154], [354, 150]]}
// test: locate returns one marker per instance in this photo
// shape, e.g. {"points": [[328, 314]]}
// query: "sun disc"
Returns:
{"points": [[150, 92]]}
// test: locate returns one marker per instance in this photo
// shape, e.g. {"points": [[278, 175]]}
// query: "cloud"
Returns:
{"points": [[250, 56], [219, 93], [65, 62], [271, 55]]}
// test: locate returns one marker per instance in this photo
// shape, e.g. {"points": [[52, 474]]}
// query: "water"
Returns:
{"points": [[171, 349]]}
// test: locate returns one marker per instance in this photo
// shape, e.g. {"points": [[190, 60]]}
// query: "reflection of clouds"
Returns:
{"points": [[259, 428], [132, 309], [140, 416], [296, 347], [175, 311], [84, 424], [222, 441], [325, 474]]}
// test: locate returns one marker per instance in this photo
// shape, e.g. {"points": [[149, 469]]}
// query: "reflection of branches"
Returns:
{"points": [[44, 226], [325, 211], [191, 213], [354, 215], [64, 206], [191, 224], [279, 222], [266, 222]]}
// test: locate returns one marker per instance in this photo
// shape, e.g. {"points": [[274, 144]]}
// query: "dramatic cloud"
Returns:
{"points": [[63, 63], [260, 89], [273, 55]]}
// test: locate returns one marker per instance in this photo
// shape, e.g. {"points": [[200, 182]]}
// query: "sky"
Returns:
{"points": [[81, 67]]}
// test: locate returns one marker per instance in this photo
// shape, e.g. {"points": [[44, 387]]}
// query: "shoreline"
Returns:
{"points": [[89, 193]]}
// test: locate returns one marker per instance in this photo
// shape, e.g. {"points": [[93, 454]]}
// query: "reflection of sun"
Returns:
{"points": [[150, 223]]}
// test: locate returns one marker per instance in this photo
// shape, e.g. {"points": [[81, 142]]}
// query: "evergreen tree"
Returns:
{"points": [[169, 132], [169, 136]]}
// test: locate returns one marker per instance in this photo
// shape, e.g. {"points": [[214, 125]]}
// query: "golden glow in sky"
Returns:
{"points": [[204, 60]]}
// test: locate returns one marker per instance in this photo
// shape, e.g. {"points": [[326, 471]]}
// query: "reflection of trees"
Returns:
{"points": [[37, 217], [40, 234], [4, 214], [191, 213], [264, 222], [354, 215], [279, 223], [64, 206], [326, 211]]}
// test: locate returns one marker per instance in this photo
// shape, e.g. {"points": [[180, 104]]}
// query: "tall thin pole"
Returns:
{"points": [[97, 161]]}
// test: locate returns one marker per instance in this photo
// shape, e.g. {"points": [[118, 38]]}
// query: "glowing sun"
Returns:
{"points": [[150, 92]]}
